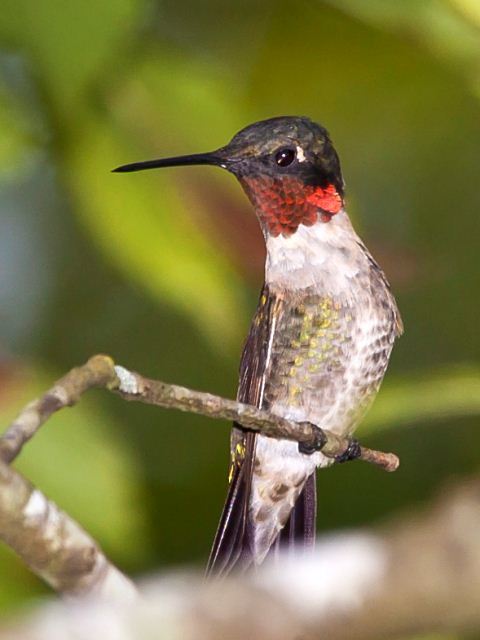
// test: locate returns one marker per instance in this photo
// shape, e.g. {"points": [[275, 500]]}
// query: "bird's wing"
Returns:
{"points": [[232, 541], [233, 544]]}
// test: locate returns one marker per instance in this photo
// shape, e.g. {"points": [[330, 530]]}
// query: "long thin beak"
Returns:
{"points": [[197, 158]]}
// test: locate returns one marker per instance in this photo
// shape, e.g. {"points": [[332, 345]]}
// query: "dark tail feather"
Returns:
{"points": [[232, 547], [306, 524], [299, 532]]}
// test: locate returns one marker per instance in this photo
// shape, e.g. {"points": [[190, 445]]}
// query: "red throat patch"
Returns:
{"points": [[282, 205]]}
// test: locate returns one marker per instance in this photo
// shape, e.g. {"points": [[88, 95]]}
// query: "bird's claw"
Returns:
{"points": [[352, 452], [319, 440]]}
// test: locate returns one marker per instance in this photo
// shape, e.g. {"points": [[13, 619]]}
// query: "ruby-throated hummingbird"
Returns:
{"points": [[320, 340]]}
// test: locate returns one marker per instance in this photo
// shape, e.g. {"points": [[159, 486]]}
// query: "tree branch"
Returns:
{"points": [[53, 545], [100, 371], [416, 575]]}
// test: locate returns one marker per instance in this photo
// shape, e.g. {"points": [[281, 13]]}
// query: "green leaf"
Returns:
{"points": [[67, 42], [425, 397], [154, 226], [448, 28], [142, 226], [17, 136]]}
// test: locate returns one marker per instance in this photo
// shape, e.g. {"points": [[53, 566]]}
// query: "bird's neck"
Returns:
{"points": [[285, 204]]}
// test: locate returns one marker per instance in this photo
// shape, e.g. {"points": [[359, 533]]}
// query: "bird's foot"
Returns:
{"points": [[352, 452], [319, 440]]}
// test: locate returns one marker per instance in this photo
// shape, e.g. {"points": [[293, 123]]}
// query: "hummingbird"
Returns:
{"points": [[320, 340]]}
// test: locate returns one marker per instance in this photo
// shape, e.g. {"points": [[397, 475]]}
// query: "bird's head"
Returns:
{"points": [[287, 166]]}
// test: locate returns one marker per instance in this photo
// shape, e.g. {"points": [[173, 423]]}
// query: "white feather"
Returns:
{"points": [[325, 254]]}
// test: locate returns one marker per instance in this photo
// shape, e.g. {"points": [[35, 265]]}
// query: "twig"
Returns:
{"points": [[97, 372], [51, 543], [100, 371]]}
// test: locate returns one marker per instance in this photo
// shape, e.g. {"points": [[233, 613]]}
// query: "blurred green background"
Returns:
{"points": [[162, 270]]}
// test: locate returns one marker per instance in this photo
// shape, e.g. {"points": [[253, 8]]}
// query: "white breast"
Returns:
{"points": [[325, 255]]}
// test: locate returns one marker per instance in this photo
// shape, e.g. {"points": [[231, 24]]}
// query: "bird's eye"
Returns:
{"points": [[285, 156]]}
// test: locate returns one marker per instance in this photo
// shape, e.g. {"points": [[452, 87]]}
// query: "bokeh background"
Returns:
{"points": [[162, 269]]}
